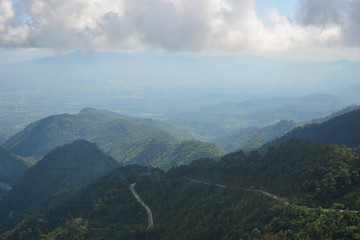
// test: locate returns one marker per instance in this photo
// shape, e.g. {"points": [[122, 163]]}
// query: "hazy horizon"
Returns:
{"points": [[164, 58]]}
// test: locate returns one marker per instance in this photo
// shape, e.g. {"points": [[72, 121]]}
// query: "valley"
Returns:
{"points": [[179, 120], [295, 189]]}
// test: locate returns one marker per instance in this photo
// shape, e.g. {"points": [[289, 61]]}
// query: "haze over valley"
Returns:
{"points": [[177, 88], [179, 119]]}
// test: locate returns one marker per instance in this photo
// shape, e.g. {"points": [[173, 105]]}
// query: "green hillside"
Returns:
{"points": [[53, 178], [175, 129], [251, 138], [161, 150], [341, 130], [297, 191], [11, 169], [335, 114], [42, 136], [305, 173], [127, 139]]}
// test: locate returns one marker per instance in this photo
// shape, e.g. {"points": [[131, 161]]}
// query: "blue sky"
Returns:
{"points": [[284, 7]]}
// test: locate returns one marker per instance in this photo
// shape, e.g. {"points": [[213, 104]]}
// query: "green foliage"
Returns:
{"points": [[127, 139], [251, 138], [234, 198], [315, 175], [341, 130], [53, 178], [12, 167], [187, 210], [106, 205], [298, 223], [74, 229]]}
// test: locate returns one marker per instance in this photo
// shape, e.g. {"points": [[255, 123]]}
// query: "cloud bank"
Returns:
{"points": [[343, 14], [176, 25]]}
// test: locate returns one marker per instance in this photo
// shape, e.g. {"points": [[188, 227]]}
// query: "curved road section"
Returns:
{"points": [[148, 210], [279, 199]]}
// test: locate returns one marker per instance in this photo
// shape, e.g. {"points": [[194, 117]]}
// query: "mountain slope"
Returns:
{"points": [[335, 114], [341, 130], [305, 173], [252, 138], [127, 139], [40, 137], [11, 169], [297, 191], [51, 179], [172, 202], [161, 150], [175, 129]]}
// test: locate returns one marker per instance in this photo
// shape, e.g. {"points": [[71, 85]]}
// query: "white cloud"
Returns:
{"points": [[342, 14], [176, 25], [6, 13], [11, 32]]}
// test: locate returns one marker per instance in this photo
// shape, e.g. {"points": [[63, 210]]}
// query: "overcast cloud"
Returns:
{"points": [[343, 14], [176, 25]]}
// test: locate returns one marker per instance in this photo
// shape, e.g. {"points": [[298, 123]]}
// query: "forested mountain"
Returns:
{"points": [[305, 173], [341, 130], [162, 150], [11, 169], [251, 138], [333, 115], [41, 136], [297, 191], [53, 178], [127, 139], [173, 128]]}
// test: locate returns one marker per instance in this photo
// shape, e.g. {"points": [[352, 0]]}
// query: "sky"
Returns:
{"points": [[288, 29]]}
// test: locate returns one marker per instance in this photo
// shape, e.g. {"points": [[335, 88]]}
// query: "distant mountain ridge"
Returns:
{"points": [[341, 130], [251, 138], [127, 139], [333, 115], [223, 118]]}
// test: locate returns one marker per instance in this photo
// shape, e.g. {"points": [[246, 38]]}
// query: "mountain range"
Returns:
{"points": [[170, 86], [127, 139], [252, 138], [340, 130], [297, 191]]}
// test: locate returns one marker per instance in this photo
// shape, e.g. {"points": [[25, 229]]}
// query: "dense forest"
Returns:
{"points": [[299, 190], [340, 130], [127, 139], [251, 138], [11, 169], [179, 120], [52, 179]]}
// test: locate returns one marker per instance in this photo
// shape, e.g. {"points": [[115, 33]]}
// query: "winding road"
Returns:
{"points": [[148, 210], [279, 199]]}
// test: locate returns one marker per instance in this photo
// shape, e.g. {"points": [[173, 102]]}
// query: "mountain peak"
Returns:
{"points": [[88, 109], [61, 172]]}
